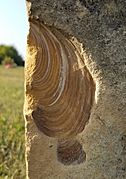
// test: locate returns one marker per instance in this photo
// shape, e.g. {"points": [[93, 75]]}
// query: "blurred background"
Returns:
{"points": [[13, 35]]}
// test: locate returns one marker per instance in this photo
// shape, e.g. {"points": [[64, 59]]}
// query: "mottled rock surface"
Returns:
{"points": [[98, 31]]}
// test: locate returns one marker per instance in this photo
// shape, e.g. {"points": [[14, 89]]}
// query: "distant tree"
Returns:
{"points": [[10, 51], [8, 62]]}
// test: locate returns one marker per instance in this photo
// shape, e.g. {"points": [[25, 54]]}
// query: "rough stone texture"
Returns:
{"points": [[98, 29]]}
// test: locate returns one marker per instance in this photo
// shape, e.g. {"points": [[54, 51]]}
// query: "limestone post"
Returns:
{"points": [[75, 89]]}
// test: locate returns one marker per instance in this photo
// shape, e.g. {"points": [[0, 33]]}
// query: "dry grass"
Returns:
{"points": [[12, 162]]}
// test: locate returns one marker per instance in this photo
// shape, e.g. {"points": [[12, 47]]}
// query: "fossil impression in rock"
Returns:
{"points": [[62, 93]]}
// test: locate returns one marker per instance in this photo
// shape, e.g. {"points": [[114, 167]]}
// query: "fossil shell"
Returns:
{"points": [[61, 86], [70, 152], [65, 95]]}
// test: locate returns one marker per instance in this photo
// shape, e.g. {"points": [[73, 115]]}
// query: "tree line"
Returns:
{"points": [[7, 51]]}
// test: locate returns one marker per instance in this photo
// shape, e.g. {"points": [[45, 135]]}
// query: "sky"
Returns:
{"points": [[14, 24]]}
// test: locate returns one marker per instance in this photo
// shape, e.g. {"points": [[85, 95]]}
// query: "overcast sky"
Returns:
{"points": [[13, 24]]}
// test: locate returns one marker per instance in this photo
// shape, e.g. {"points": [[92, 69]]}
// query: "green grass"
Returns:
{"points": [[12, 160]]}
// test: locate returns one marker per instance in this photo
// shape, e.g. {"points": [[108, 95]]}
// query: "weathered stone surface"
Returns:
{"points": [[97, 31]]}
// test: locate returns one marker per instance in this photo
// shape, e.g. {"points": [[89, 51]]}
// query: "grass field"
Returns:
{"points": [[12, 162]]}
